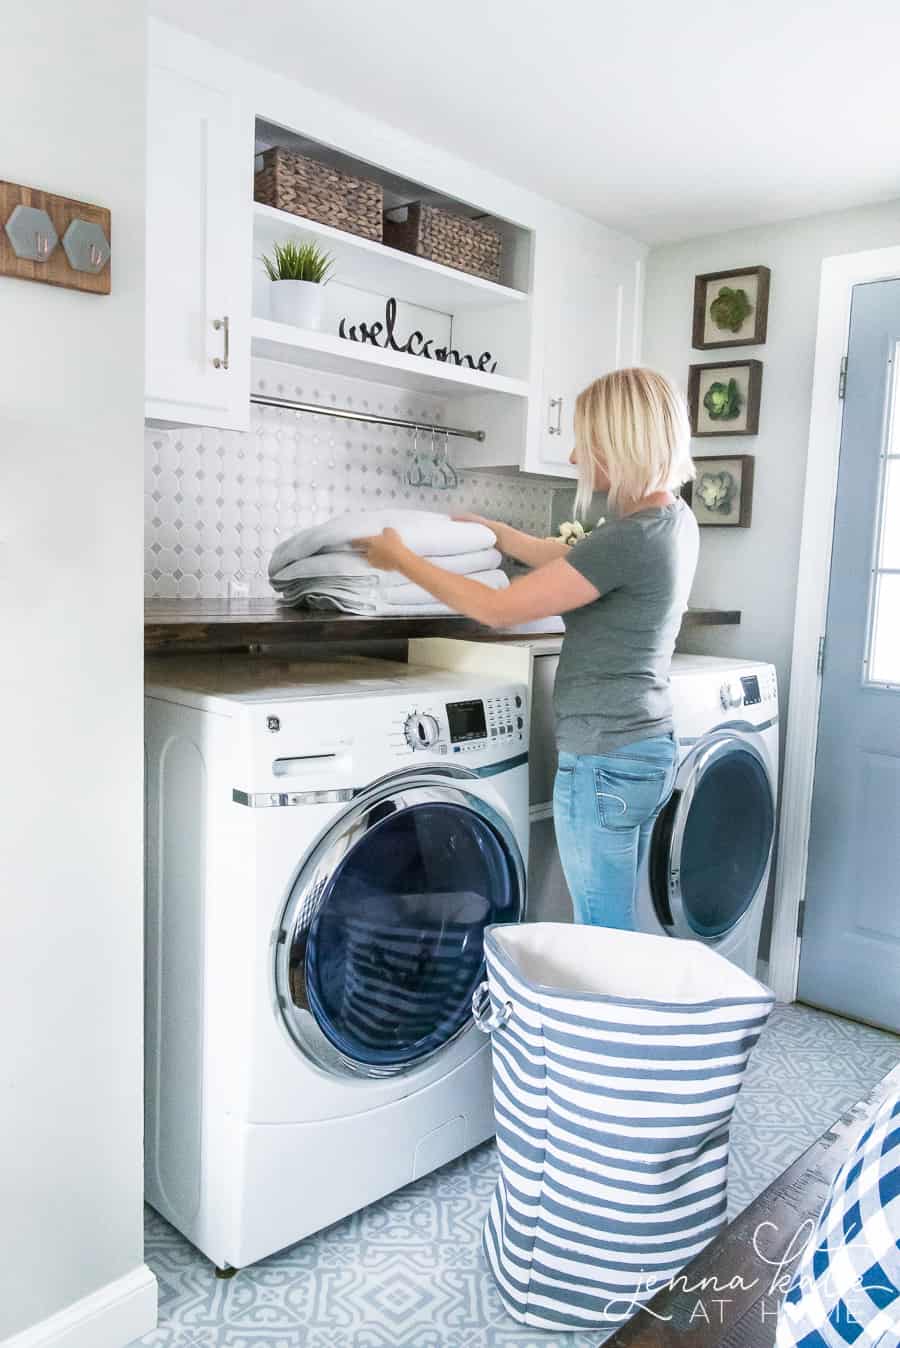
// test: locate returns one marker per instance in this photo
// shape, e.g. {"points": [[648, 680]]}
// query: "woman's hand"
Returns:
{"points": [[384, 551]]}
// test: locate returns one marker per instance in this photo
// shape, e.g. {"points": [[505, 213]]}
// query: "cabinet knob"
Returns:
{"points": [[222, 325], [557, 403]]}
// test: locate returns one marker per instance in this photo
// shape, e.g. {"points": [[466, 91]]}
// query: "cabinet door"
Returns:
{"points": [[591, 328], [198, 254]]}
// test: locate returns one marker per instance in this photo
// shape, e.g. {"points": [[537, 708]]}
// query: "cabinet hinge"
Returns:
{"points": [[801, 916], [820, 656], [842, 378]]}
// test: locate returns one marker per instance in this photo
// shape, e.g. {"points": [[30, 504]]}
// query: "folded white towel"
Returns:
{"points": [[426, 533], [327, 564], [364, 594]]}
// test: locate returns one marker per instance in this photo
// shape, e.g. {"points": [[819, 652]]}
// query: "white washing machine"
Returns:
{"points": [[325, 845], [707, 867]]}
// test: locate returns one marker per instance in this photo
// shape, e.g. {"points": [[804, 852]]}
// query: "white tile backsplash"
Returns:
{"points": [[217, 502]]}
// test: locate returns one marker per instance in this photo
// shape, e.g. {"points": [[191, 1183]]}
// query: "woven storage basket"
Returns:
{"points": [[319, 192], [427, 231]]}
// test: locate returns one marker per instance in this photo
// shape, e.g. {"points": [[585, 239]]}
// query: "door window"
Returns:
{"points": [[883, 645], [395, 950]]}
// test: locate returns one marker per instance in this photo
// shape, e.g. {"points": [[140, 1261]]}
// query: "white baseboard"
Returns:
{"points": [[116, 1315]]}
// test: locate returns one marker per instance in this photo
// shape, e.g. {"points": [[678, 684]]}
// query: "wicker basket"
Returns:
{"points": [[319, 192], [430, 232]]}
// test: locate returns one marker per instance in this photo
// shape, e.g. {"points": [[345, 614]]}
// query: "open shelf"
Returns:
{"points": [[367, 265], [322, 351]]}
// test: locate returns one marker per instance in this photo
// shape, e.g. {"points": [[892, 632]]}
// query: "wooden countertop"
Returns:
{"points": [[174, 625]]}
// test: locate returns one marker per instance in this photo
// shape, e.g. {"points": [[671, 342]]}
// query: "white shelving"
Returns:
{"points": [[322, 351], [367, 265]]}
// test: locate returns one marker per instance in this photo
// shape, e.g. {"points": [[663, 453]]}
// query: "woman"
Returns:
{"points": [[625, 588]]}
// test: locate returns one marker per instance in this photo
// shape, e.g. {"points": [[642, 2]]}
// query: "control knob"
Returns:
{"points": [[421, 731], [732, 694]]}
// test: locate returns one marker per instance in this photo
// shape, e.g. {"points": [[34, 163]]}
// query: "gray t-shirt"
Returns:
{"points": [[612, 684]]}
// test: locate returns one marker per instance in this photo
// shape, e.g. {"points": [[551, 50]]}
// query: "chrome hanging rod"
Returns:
{"points": [[291, 405]]}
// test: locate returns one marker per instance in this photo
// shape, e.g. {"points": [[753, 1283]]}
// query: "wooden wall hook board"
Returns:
{"points": [[56, 268]]}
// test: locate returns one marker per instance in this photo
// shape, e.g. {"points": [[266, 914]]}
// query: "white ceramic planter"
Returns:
{"points": [[299, 303]]}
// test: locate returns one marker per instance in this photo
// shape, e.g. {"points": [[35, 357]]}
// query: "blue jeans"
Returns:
{"points": [[604, 809]]}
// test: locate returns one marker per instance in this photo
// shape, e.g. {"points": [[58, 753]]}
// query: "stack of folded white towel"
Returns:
{"points": [[318, 567]]}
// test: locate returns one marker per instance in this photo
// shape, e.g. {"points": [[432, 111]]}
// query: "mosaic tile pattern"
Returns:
{"points": [[217, 502], [408, 1271]]}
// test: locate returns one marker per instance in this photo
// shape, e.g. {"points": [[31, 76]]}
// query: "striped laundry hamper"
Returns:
{"points": [[618, 1058], [846, 1288]]}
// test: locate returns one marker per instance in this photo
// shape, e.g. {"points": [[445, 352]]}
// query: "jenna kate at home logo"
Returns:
{"points": [[382, 335], [716, 1297]]}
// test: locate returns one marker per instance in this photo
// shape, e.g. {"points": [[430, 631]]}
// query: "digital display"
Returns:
{"points": [[751, 689], [466, 720]]}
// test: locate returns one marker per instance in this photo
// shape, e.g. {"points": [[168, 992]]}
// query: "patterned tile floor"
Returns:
{"points": [[408, 1272]]}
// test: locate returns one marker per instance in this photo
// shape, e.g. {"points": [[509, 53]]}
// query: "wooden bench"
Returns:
{"points": [[729, 1296]]}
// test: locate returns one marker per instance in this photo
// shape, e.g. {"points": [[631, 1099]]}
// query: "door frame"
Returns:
{"points": [[838, 277]]}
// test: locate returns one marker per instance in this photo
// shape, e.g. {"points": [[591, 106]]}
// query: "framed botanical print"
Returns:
{"points": [[723, 398], [731, 308], [722, 491]]}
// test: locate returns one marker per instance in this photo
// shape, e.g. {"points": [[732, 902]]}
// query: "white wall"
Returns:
{"points": [[755, 569], [71, 439]]}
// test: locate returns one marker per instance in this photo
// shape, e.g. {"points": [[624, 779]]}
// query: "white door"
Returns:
{"points": [[198, 253], [589, 330], [850, 951]]}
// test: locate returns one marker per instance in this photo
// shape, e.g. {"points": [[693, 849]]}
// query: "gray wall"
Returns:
{"points": [[755, 569], [71, 433]]}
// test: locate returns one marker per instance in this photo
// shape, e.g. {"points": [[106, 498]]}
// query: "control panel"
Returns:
{"points": [[469, 726], [749, 690]]}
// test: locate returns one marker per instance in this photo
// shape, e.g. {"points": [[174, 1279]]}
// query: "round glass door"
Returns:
{"points": [[382, 941], [712, 842]]}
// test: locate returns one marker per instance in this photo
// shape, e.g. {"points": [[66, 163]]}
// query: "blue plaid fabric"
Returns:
{"points": [[846, 1289]]}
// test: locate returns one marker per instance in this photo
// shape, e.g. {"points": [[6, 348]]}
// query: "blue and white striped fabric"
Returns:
{"points": [[615, 1077], [846, 1289]]}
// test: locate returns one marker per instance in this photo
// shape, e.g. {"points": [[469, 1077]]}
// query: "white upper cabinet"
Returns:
{"points": [[564, 309], [198, 242], [592, 325]]}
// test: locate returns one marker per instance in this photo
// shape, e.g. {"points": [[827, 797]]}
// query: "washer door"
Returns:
{"points": [[711, 845], [381, 943]]}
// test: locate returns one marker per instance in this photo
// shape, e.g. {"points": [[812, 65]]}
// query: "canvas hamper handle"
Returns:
{"points": [[486, 1019]]}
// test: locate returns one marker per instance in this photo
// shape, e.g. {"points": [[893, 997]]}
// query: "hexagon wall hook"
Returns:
{"points": [[86, 246], [31, 234]]}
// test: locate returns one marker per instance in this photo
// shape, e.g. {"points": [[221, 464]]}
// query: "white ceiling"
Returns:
{"points": [[665, 120]]}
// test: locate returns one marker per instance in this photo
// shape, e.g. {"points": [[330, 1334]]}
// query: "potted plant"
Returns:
{"points": [[298, 272]]}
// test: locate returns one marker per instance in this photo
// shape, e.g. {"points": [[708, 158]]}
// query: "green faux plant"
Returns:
{"points": [[716, 491], [729, 309], [723, 401], [298, 262]]}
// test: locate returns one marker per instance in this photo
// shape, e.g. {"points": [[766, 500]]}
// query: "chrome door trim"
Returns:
{"points": [[745, 727], [710, 748], [309, 886]]}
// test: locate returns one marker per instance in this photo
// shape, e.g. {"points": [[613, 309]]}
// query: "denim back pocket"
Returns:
{"points": [[629, 792]]}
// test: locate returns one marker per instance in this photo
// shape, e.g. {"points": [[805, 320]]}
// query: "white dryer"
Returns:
{"points": [[325, 845], [706, 871]]}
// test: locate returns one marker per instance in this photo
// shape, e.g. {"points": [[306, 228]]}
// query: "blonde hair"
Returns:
{"points": [[634, 424]]}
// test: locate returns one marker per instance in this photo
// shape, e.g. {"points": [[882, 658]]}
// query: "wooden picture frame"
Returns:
{"points": [[755, 283], [747, 374], [740, 467]]}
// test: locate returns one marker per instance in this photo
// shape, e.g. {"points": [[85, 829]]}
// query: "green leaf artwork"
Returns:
{"points": [[723, 401], [717, 492], [729, 309]]}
